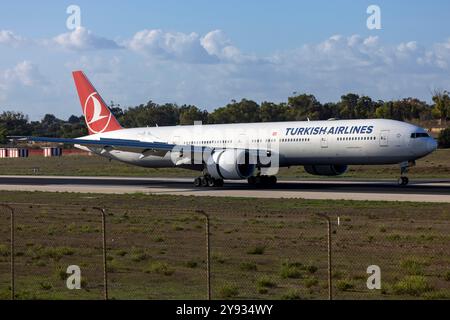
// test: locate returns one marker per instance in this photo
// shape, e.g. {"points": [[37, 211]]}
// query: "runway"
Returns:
{"points": [[432, 190]]}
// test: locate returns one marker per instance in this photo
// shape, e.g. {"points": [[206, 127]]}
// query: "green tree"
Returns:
{"points": [[3, 134], [151, 114], [444, 138], [348, 106], [190, 114], [304, 106], [273, 112], [441, 108], [16, 123], [236, 112]]}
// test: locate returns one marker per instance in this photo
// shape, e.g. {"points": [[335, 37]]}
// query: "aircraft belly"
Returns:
{"points": [[136, 159], [346, 155]]}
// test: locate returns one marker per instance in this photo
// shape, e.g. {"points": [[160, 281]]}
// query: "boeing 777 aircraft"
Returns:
{"points": [[252, 151]]}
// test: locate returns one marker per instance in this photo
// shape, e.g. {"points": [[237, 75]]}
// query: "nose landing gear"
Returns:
{"points": [[403, 181], [404, 168]]}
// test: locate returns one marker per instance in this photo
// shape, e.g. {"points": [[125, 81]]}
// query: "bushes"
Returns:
{"points": [[413, 267], [4, 251], [265, 282], [192, 264], [447, 276], [444, 138], [258, 250], [46, 286], [412, 285], [291, 270], [57, 253], [295, 270], [228, 291], [345, 285], [159, 268], [311, 282], [292, 295], [139, 256], [248, 266]]}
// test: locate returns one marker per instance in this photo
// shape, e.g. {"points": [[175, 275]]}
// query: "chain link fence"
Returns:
{"points": [[411, 252], [165, 253]]}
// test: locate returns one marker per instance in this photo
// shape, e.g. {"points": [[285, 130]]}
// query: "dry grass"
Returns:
{"points": [[148, 259]]}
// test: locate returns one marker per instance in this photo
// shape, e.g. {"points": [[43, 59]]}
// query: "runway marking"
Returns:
{"points": [[357, 190]]}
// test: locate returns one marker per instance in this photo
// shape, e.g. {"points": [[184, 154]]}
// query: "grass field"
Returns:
{"points": [[437, 165], [261, 248]]}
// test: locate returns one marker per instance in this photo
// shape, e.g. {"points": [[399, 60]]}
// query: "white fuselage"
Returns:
{"points": [[339, 142]]}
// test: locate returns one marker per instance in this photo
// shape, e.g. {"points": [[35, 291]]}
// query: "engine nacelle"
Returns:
{"points": [[326, 170], [230, 164]]}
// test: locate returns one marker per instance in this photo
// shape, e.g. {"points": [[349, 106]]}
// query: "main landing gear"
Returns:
{"points": [[262, 181], [404, 167], [208, 181]]}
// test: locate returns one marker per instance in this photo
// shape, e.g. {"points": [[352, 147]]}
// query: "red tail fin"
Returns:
{"points": [[97, 115]]}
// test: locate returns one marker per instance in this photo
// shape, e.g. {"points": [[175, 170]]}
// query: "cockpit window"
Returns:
{"points": [[416, 135]]}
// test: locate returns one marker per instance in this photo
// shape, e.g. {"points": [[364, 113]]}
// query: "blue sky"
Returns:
{"points": [[209, 52]]}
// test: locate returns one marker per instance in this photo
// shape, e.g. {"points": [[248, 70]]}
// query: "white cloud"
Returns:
{"points": [[10, 38], [95, 64], [20, 81], [24, 73], [170, 46], [218, 44], [214, 47], [438, 56], [82, 39], [209, 70]]}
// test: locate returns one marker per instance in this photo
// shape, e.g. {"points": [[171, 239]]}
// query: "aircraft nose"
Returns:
{"points": [[432, 145]]}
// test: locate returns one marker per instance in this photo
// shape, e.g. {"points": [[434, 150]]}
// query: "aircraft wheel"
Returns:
{"points": [[264, 181], [211, 182], [218, 183], [204, 181], [272, 180], [198, 182], [251, 180], [403, 181]]}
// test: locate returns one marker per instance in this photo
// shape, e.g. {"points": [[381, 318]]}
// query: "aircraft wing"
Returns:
{"points": [[143, 147], [103, 142]]}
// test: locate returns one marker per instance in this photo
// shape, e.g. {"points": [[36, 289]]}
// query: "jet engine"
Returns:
{"points": [[326, 170], [230, 164]]}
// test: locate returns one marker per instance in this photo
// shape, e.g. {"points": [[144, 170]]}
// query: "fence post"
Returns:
{"points": [[105, 270], [11, 249], [330, 281], [208, 255]]}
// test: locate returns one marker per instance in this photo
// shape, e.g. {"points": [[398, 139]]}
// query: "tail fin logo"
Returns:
{"points": [[97, 117]]}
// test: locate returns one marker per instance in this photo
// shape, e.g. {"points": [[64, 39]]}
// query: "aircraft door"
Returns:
{"points": [[324, 142], [384, 138], [176, 140], [243, 141]]}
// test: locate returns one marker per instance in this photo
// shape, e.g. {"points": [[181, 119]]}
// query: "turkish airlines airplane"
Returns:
{"points": [[252, 151]]}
